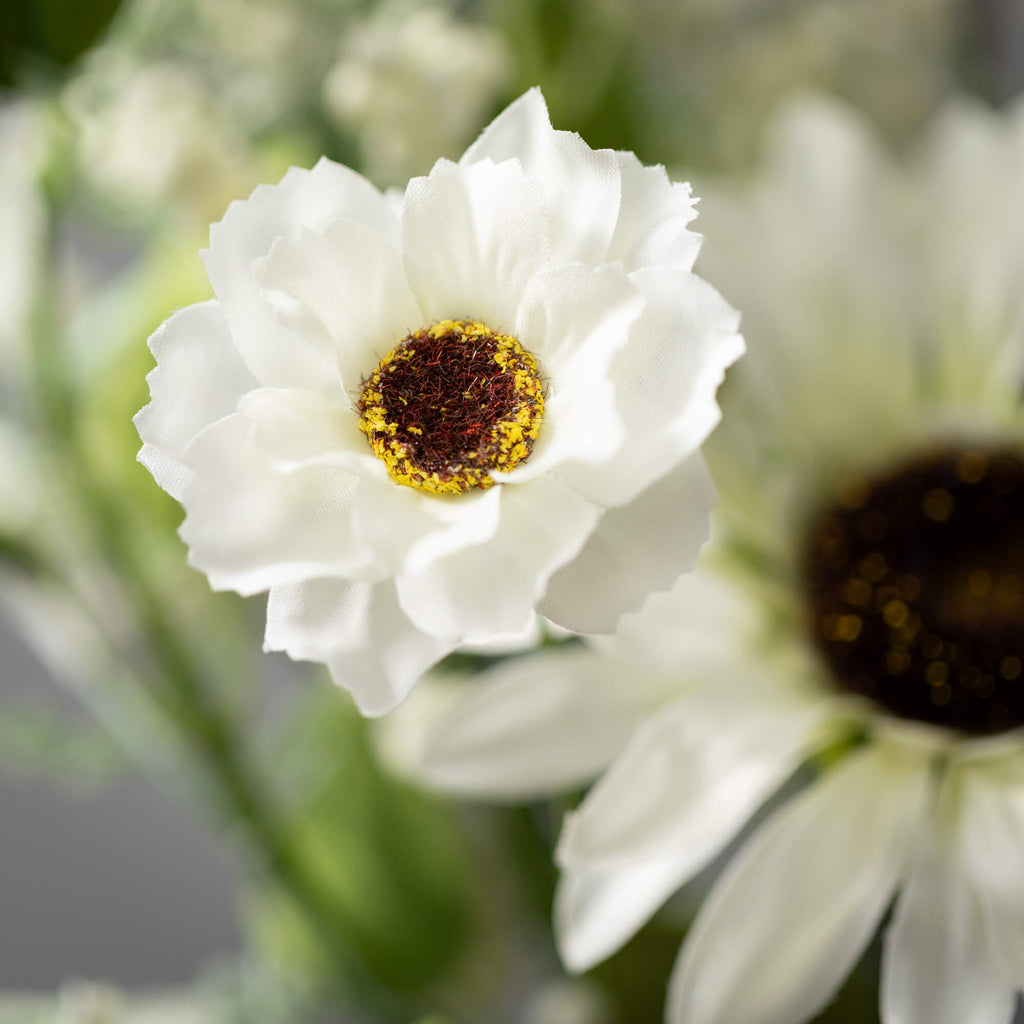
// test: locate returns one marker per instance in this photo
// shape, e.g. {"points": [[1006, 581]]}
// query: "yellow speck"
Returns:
{"points": [[970, 467], [941, 695], [937, 673], [848, 627], [895, 614]]}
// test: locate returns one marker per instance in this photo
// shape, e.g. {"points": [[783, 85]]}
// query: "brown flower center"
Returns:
{"points": [[915, 587]]}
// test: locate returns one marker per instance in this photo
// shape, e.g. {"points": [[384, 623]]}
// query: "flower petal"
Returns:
{"points": [[940, 967], [688, 780], [582, 186], [653, 228], [992, 834], [492, 588], [250, 527], [597, 912], [347, 286], [298, 429], [473, 237], [196, 357], [574, 319], [638, 549], [665, 381], [304, 199], [358, 629], [529, 727], [789, 916]]}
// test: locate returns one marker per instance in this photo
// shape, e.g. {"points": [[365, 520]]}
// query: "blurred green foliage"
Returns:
{"points": [[39, 36]]}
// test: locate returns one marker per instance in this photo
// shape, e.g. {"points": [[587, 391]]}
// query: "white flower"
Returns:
{"points": [[861, 608], [414, 82], [569, 270]]}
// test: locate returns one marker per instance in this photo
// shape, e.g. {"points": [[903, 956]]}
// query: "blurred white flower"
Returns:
{"points": [[873, 503], [335, 440], [862, 606], [149, 134], [414, 83]]}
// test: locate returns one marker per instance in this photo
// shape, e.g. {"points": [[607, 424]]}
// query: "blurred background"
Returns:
{"points": [[191, 831]]}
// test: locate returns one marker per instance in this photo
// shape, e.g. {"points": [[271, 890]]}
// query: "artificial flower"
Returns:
{"points": [[859, 612], [417, 419]]}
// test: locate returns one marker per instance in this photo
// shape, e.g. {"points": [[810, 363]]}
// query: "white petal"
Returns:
{"points": [[582, 186], [597, 912], [574, 319], [199, 378], [492, 588], [303, 199], [530, 727], [473, 237], [358, 629], [347, 286], [992, 834], [298, 429], [940, 967], [665, 382], [637, 549], [653, 221], [790, 915], [250, 527], [409, 529], [688, 780]]}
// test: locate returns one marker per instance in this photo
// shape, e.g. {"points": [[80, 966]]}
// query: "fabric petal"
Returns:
{"points": [[492, 588], [473, 237], [358, 629], [530, 727], [250, 527], [636, 550], [346, 286], [582, 186], [298, 429], [790, 915], [304, 199], [653, 227], [199, 378], [665, 382], [597, 912], [574, 319], [940, 967], [992, 837], [688, 780]]}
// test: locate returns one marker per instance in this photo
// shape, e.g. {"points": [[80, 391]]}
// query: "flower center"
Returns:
{"points": [[915, 584], [451, 404]]}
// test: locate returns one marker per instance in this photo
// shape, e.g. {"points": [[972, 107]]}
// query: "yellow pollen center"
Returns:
{"points": [[450, 405]]}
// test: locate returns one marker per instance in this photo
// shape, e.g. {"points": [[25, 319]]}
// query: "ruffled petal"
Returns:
{"points": [[665, 381], [345, 286], [790, 915], [473, 237], [492, 588], [530, 727], [298, 429], [582, 186], [196, 358], [940, 967], [250, 527], [635, 551], [574, 319], [275, 354], [653, 228], [597, 912], [358, 629]]}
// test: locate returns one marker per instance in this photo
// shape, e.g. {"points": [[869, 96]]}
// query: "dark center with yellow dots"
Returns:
{"points": [[916, 587], [450, 405]]}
